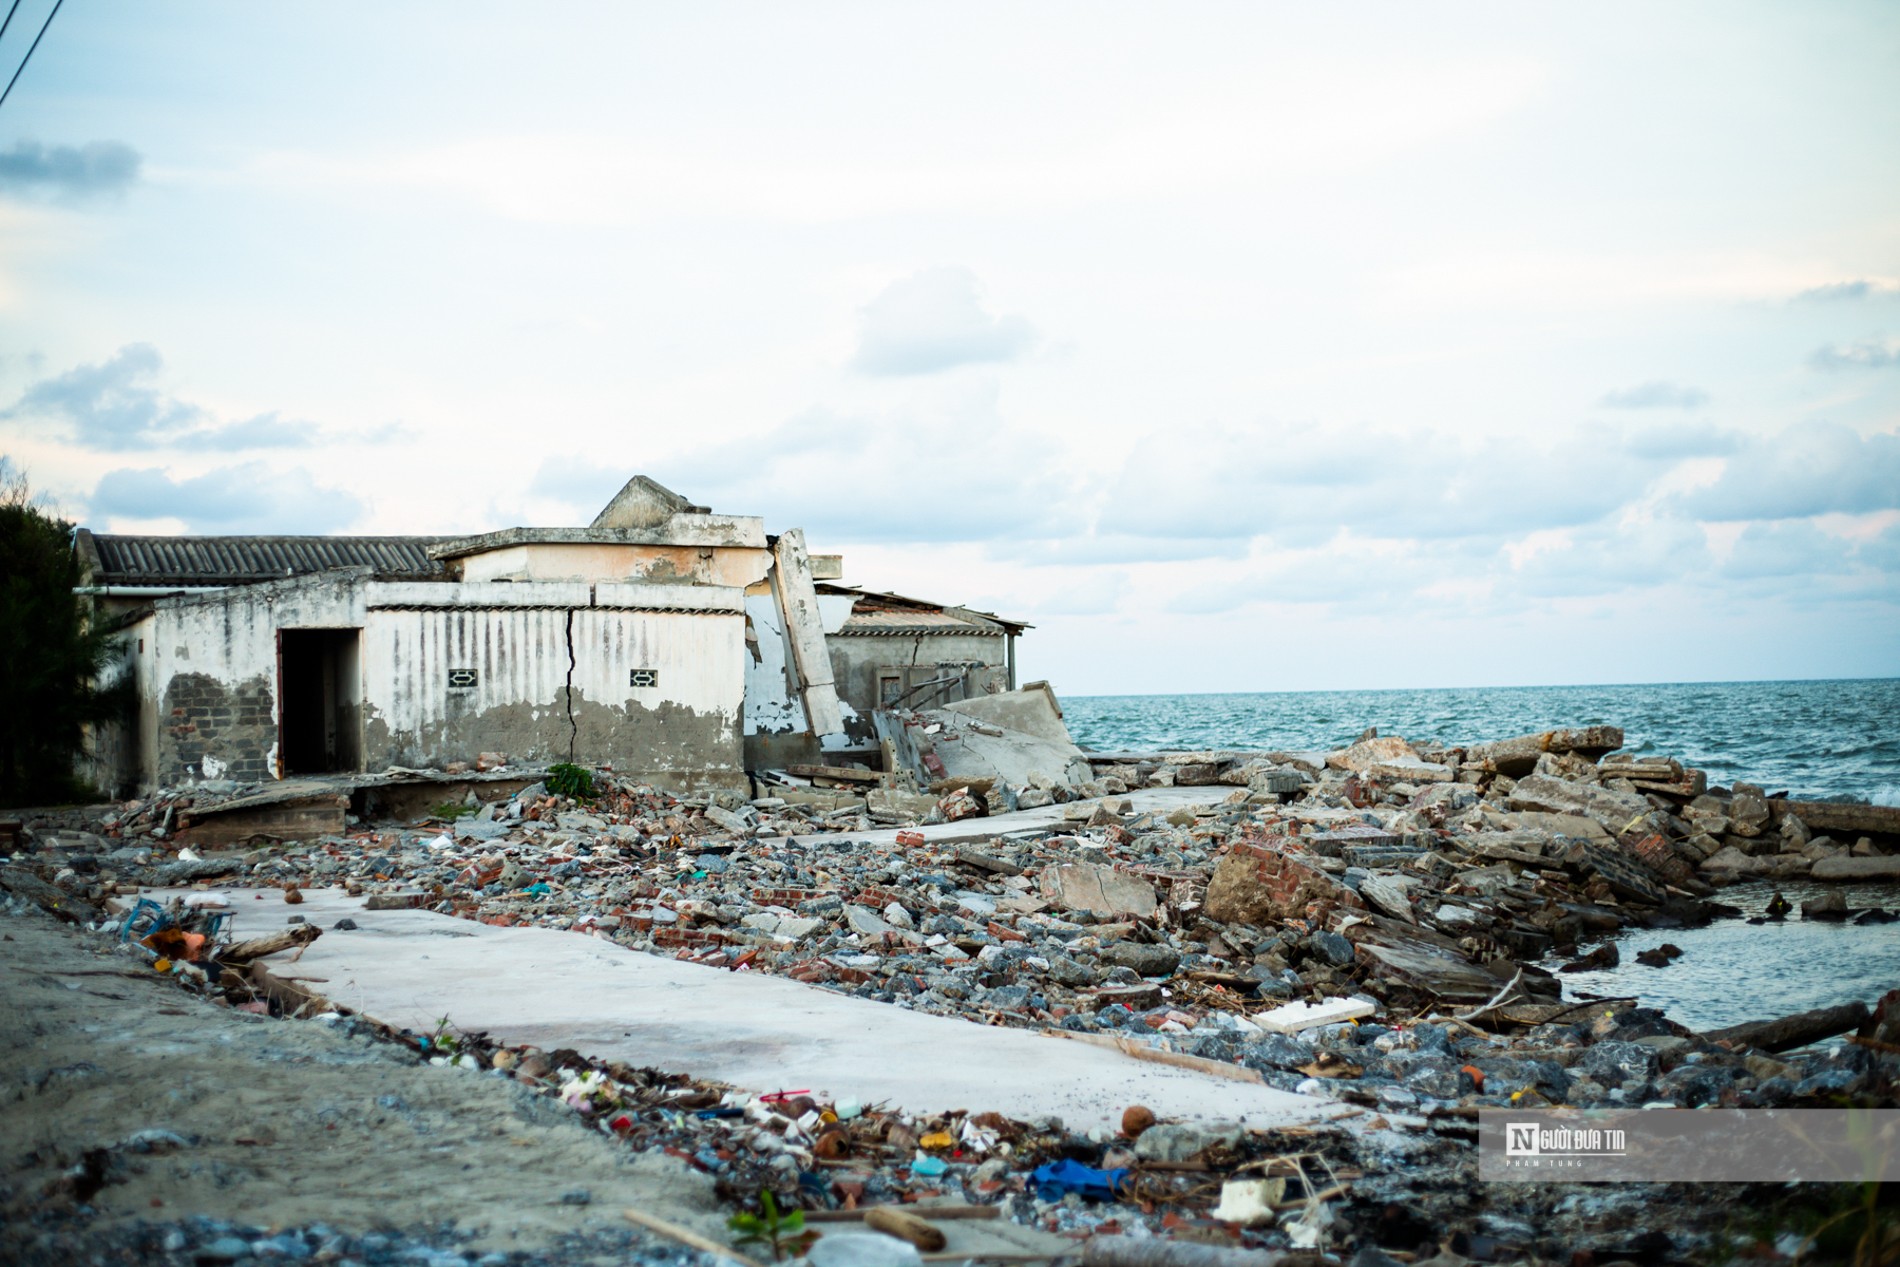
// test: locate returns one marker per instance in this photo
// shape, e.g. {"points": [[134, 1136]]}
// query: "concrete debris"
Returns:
{"points": [[1380, 926]]}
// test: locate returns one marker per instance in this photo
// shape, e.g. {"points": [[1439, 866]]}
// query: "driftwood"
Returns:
{"points": [[905, 1227], [1794, 1031], [938, 1213], [1150, 1251], [239, 953], [686, 1236], [1154, 1055]]}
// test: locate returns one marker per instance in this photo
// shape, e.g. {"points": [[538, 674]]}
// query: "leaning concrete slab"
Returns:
{"points": [[558, 989], [1045, 818]]}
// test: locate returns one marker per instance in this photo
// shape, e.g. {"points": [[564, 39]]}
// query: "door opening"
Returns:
{"points": [[319, 721]]}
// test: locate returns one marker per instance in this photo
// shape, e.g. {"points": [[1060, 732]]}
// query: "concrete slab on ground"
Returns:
{"points": [[1045, 818], [562, 989]]}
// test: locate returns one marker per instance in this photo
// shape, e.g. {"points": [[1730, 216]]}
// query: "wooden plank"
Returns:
{"points": [[243, 952], [1155, 1056]]}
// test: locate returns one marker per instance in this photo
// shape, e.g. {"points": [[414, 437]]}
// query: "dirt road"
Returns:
{"points": [[137, 1117]]}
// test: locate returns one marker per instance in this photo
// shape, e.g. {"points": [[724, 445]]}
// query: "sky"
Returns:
{"points": [[1235, 347]]}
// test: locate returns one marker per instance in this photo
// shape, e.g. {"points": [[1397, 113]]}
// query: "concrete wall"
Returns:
{"points": [[212, 676], [661, 564], [541, 670], [858, 661]]}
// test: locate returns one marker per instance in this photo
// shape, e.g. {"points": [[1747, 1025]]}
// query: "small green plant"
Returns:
{"points": [[785, 1233], [451, 810], [444, 1040], [567, 779]]}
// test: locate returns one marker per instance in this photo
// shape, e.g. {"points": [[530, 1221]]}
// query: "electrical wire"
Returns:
{"points": [[9, 22], [29, 51]]}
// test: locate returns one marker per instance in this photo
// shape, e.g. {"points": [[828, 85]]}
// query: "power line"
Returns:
{"points": [[29, 50], [9, 22]]}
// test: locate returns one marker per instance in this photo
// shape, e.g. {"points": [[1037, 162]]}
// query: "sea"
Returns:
{"points": [[1813, 740]]}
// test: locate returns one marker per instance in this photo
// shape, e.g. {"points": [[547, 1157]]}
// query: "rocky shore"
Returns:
{"points": [[1431, 900]]}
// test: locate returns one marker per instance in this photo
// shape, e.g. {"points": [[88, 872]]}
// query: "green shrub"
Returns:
{"points": [[567, 779]]}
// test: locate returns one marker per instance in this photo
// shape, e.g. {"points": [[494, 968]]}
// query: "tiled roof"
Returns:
{"points": [[124, 560]]}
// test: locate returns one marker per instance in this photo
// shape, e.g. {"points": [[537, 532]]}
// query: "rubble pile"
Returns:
{"points": [[1388, 925], [1450, 889]]}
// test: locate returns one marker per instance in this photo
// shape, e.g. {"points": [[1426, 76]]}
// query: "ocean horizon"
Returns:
{"points": [[1814, 738]]}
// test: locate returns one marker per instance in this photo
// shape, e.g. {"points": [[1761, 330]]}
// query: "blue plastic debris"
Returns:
{"points": [[928, 1167], [1059, 1178], [539, 888]]}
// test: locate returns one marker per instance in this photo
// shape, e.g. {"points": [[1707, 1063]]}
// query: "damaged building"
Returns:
{"points": [[663, 641]]}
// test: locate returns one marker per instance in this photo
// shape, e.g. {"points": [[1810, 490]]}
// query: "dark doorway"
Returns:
{"points": [[318, 693]]}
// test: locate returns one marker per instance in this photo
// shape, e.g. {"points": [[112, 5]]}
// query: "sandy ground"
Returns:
{"points": [[284, 1123]]}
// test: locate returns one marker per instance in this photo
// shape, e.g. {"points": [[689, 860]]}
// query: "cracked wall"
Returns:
{"points": [[542, 685]]}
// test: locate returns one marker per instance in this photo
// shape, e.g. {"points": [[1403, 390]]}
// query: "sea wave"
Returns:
{"points": [[1816, 739]]}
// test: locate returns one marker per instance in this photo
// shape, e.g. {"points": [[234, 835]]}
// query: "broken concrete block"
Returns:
{"points": [[1276, 782], [1265, 881], [1616, 811], [1849, 869], [1411, 770], [1368, 752], [1518, 756], [1748, 814], [890, 800], [395, 901], [1294, 1017], [1387, 894], [1084, 886]]}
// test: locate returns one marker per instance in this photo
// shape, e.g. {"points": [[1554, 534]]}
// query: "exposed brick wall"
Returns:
{"points": [[202, 717]]}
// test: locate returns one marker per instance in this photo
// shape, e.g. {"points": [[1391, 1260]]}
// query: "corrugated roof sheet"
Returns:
{"points": [[876, 613], [893, 621], [125, 560]]}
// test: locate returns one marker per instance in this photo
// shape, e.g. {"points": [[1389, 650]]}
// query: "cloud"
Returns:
{"points": [[266, 431], [1837, 292], [70, 172], [1094, 593], [934, 320], [116, 405], [1682, 441], [1301, 486], [1784, 549], [112, 405], [1868, 354], [1813, 469], [941, 469], [1882, 553], [1656, 394], [1637, 551], [246, 498]]}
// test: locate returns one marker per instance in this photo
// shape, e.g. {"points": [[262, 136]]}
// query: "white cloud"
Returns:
{"points": [[935, 320], [1815, 468], [229, 499], [1865, 354], [1655, 394]]}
